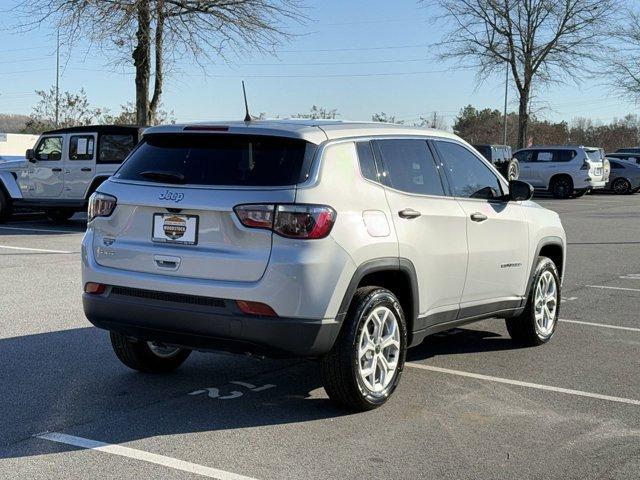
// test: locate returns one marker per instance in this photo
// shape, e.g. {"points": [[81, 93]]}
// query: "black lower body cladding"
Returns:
{"points": [[215, 325]]}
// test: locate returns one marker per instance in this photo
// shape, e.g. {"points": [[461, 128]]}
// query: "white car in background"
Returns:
{"points": [[566, 171], [63, 169]]}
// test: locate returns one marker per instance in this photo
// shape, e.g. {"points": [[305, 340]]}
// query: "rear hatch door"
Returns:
{"points": [[175, 199]]}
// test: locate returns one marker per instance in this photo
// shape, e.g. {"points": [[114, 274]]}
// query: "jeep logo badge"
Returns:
{"points": [[171, 196]]}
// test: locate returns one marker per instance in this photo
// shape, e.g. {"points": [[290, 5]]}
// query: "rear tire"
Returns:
{"points": [[621, 186], [561, 186], [5, 207], [513, 170], [580, 193], [364, 366], [537, 323], [60, 215], [147, 357]]}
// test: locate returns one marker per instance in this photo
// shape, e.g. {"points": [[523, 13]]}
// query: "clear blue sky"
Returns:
{"points": [[332, 62]]}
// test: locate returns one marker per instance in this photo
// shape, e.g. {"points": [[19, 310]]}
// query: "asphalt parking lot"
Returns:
{"points": [[469, 406]]}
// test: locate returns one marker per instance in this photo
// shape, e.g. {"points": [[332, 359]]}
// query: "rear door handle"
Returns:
{"points": [[56, 169], [85, 169], [478, 217], [409, 213]]}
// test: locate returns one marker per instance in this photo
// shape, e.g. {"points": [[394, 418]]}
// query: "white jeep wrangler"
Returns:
{"points": [[64, 169]]}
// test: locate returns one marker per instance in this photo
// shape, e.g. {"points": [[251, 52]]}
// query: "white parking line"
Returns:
{"points": [[603, 325], [35, 249], [614, 288], [141, 455], [48, 230], [524, 384]]}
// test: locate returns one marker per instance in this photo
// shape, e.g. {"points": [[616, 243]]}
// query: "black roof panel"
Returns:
{"points": [[97, 129]]}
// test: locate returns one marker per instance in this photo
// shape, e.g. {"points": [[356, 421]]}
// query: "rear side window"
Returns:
{"points": [[616, 166], [367, 161], [469, 176], [410, 166], [544, 156], [564, 155], [81, 147], [226, 160], [114, 148], [485, 151]]}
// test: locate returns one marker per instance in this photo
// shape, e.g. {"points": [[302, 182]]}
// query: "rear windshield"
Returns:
{"points": [[594, 155], [219, 159]]}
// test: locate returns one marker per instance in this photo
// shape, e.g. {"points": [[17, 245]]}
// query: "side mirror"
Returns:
{"points": [[520, 191], [30, 155]]}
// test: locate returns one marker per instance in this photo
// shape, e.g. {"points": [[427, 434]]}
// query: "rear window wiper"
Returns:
{"points": [[163, 176]]}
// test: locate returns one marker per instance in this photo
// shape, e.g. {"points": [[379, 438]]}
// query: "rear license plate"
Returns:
{"points": [[173, 228], [599, 171]]}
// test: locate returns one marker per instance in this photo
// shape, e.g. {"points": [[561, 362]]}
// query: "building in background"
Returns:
{"points": [[14, 145]]}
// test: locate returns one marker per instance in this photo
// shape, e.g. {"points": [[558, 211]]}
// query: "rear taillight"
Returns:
{"points": [[100, 205], [585, 166], [292, 221], [255, 216], [95, 288]]}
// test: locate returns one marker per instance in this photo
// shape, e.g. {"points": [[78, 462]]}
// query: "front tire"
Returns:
{"points": [[5, 207], [60, 215], [364, 366], [580, 193], [537, 323], [621, 186], [147, 357]]}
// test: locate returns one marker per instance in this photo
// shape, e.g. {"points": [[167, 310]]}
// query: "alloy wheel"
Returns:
{"points": [[379, 349], [546, 304], [163, 351]]}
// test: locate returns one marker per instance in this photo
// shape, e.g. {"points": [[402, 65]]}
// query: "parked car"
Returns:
{"points": [[63, 169], [627, 157], [566, 171], [321, 239], [501, 158], [629, 150], [625, 177]]}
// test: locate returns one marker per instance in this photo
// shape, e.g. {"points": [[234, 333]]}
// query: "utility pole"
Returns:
{"points": [[58, 78], [506, 97]]}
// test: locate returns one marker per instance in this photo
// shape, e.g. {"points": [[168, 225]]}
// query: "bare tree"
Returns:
{"points": [[319, 113], [625, 63], [385, 118], [540, 40], [148, 33], [74, 110]]}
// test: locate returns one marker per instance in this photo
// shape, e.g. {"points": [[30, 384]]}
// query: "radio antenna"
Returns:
{"points": [[247, 116]]}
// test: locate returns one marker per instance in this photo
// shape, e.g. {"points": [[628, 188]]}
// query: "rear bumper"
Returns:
{"points": [[583, 183], [208, 327]]}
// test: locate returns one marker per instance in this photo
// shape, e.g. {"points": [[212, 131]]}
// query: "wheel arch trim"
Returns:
{"points": [[392, 264], [545, 242], [9, 185]]}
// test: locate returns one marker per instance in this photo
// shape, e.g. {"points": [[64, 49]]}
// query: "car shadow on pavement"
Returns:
{"points": [[70, 381], [460, 341]]}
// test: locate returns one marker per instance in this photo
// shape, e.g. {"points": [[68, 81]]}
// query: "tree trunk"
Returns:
{"points": [[159, 72], [523, 119], [142, 63]]}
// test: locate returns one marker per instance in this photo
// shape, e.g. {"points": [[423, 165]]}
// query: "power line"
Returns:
{"points": [[25, 48], [25, 60], [362, 49]]}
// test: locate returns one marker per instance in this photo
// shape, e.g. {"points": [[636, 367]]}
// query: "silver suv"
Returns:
{"points": [[348, 242]]}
